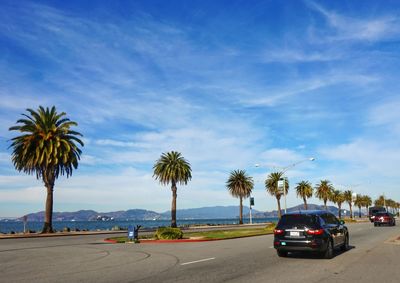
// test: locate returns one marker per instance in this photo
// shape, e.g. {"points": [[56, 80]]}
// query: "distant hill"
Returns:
{"points": [[91, 215], [212, 212], [300, 207]]}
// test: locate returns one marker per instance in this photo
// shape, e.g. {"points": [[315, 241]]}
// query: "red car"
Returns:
{"points": [[384, 218]]}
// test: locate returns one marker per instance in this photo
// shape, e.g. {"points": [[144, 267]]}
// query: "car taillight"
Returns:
{"points": [[315, 232], [278, 231]]}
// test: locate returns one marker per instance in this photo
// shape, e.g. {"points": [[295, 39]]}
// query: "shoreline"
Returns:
{"points": [[146, 231]]}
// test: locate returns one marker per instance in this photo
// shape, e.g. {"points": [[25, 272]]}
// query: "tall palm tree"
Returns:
{"points": [[367, 202], [390, 204], [380, 201], [172, 168], [359, 202], [348, 196], [46, 147], [271, 185], [323, 191], [240, 185], [304, 190], [338, 198]]}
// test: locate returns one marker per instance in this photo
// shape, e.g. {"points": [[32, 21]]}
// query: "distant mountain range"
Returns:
{"points": [[214, 212], [299, 207]]}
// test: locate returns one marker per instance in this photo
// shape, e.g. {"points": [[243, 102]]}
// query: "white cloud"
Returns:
{"points": [[386, 115], [295, 56], [286, 91], [363, 161], [349, 28]]}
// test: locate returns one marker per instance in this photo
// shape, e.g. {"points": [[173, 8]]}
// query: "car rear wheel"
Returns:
{"points": [[328, 254], [375, 224], [345, 246], [281, 253]]}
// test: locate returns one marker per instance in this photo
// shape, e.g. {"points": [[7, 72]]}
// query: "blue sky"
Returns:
{"points": [[227, 83]]}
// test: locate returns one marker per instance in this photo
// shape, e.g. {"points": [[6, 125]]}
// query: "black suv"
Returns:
{"points": [[311, 230]]}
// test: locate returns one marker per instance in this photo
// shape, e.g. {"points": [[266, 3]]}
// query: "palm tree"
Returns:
{"points": [[304, 190], [380, 201], [348, 196], [367, 202], [271, 185], [323, 191], [47, 147], [390, 204], [172, 168], [240, 185], [359, 202], [338, 198]]}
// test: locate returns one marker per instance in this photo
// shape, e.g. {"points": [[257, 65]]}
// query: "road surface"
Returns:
{"points": [[374, 257]]}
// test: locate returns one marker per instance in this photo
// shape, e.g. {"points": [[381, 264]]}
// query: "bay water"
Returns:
{"points": [[18, 226]]}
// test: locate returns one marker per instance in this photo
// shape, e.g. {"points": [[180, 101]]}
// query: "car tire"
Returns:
{"points": [[375, 224], [328, 254], [345, 245], [281, 253]]}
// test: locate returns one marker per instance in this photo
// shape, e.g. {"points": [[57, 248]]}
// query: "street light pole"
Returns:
{"points": [[284, 192], [284, 170]]}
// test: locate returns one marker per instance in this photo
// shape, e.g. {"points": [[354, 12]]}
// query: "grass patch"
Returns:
{"points": [[229, 234], [349, 220], [216, 234]]}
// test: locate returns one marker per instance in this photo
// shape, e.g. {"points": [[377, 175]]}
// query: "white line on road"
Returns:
{"points": [[196, 261]]}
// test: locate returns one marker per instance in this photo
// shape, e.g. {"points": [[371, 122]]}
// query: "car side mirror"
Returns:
{"points": [[342, 222]]}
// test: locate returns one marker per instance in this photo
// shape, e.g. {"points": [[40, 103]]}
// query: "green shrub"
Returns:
{"points": [[168, 233]]}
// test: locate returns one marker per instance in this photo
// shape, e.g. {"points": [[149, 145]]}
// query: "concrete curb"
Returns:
{"points": [[62, 234]]}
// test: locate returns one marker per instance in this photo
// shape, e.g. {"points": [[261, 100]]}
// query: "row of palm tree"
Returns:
{"points": [[390, 204], [48, 148], [324, 191]]}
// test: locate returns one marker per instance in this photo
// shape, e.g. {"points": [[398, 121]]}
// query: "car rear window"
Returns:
{"points": [[382, 214], [298, 220]]}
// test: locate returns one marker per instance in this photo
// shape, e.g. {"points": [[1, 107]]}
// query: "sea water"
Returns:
{"points": [[18, 226]]}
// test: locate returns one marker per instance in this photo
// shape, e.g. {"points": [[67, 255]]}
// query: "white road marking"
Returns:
{"points": [[196, 261]]}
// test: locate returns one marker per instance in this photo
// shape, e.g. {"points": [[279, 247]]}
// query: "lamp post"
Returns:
{"points": [[284, 170]]}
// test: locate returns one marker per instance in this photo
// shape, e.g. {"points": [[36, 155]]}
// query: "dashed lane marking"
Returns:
{"points": [[196, 261]]}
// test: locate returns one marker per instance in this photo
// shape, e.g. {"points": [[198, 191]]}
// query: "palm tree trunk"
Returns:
{"points": [[279, 208], [49, 184], [173, 205], [326, 208], [340, 210], [359, 212], [241, 211], [305, 203], [351, 211]]}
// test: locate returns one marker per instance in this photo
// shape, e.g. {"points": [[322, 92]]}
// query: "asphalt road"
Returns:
{"points": [[372, 258]]}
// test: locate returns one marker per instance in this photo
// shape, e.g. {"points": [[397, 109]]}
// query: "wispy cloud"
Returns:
{"points": [[296, 56], [226, 95], [351, 28]]}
